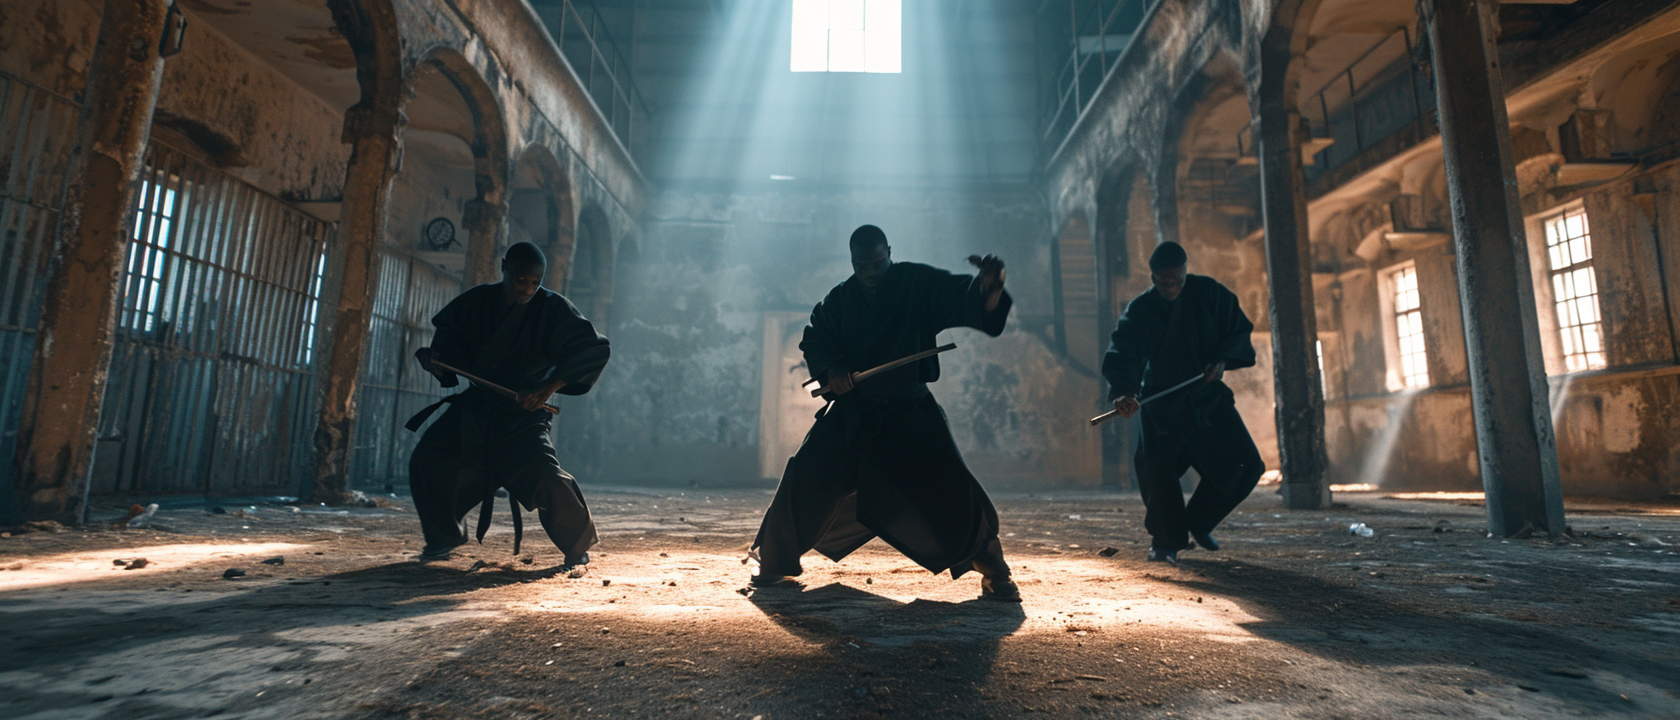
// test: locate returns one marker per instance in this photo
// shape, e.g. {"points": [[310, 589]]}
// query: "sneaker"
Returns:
{"points": [[1000, 589], [1169, 557], [1205, 540]]}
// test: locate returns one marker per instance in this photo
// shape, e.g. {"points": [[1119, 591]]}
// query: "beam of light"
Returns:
{"points": [[1381, 453], [84, 566], [1439, 496]]}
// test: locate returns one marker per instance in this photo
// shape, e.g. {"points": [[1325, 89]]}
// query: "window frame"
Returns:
{"points": [[1545, 297], [1395, 343]]}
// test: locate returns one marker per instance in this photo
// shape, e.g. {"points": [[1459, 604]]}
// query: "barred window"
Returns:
{"points": [[1575, 290], [154, 225]]}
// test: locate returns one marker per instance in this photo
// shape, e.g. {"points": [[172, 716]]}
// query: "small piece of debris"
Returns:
{"points": [[1561, 672], [605, 582], [620, 663], [233, 573], [577, 572], [527, 559], [276, 560], [137, 563], [1094, 678], [869, 581], [478, 565], [1108, 552]]}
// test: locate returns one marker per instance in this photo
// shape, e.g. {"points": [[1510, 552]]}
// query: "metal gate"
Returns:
{"points": [[37, 132], [393, 387], [212, 383]]}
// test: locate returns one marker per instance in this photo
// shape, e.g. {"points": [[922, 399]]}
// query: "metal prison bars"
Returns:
{"points": [[37, 132], [212, 384], [393, 387]]}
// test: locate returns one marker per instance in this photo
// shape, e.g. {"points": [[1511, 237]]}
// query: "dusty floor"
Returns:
{"points": [[1294, 618]]}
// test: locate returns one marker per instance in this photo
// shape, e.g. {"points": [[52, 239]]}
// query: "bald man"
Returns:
{"points": [[1184, 326], [880, 460], [529, 339]]}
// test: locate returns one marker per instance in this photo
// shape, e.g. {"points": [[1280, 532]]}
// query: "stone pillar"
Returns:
{"points": [[374, 157], [1295, 383], [484, 224], [1502, 333], [60, 418]]}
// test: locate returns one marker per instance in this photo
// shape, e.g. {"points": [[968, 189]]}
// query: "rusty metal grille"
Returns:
{"points": [[37, 132], [393, 387], [212, 386]]}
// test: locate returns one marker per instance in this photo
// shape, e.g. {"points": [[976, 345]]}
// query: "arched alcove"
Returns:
{"points": [[590, 284], [540, 210]]}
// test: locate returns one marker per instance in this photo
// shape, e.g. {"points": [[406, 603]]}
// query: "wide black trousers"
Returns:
{"points": [[476, 447], [881, 467], [1200, 430]]}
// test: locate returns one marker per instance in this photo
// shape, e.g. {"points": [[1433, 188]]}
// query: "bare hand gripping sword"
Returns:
{"points": [[1110, 415], [858, 377], [487, 385]]}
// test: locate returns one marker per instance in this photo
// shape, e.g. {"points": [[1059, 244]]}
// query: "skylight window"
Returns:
{"points": [[847, 36]]}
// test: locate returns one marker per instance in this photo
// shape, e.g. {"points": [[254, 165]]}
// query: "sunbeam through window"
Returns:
{"points": [[847, 36]]}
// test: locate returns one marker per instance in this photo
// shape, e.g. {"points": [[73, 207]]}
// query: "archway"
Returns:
{"points": [[590, 285], [540, 211]]}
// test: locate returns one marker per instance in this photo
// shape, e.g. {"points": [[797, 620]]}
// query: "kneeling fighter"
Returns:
{"points": [[880, 460]]}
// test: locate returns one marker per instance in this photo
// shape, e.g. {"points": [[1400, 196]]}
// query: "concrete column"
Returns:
{"points": [[374, 157], [60, 417], [485, 223], [1502, 333], [1295, 383]]}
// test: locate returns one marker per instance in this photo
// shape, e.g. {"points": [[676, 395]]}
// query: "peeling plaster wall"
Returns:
{"points": [[684, 401], [253, 122], [49, 42]]}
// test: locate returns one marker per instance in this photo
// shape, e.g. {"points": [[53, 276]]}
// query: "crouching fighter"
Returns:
{"points": [[880, 460], [1187, 327], [518, 343]]}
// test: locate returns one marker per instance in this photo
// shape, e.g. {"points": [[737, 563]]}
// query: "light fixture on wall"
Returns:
{"points": [[781, 177], [174, 31]]}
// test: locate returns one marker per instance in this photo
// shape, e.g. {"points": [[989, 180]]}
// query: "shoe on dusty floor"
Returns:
{"points": [[431, 553], [1001, 589], [1205, 541], [1169, 557], [763, 580]]}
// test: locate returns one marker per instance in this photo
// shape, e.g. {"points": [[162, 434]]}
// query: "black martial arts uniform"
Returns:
{"points": [[880, 460], [1160, 343], [486, 441]]}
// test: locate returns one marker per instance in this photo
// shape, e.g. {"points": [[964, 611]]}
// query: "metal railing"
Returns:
{"points": [[589, 47], [393, 386], [213, 381], [1385, 89], [37, 132], [1101, 31]]}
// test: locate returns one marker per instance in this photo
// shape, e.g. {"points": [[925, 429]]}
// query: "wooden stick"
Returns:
{"points": [[487, 385], [1110, 415], [858, 377]]}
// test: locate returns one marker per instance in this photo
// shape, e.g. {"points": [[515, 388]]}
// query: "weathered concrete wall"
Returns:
{"points": [[49, 42], [683, 403]]}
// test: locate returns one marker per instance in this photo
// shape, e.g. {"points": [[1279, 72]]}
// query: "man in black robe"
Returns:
{"points": [[1186, 325], [880, 460], [528, 339]]}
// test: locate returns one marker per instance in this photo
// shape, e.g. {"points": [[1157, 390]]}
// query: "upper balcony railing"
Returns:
{"points": [[1385, 89], [1101, 31], [578, 27]]}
